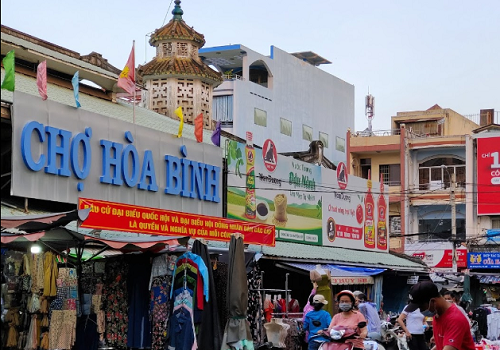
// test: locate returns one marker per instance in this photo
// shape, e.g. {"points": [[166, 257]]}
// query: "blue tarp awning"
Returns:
{"points": [[347, 275]]}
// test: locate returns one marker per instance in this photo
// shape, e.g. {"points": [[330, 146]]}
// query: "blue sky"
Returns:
{"points": [[410, 54]]}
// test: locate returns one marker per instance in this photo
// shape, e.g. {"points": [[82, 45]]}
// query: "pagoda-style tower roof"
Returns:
{"points": [[177, 47]]}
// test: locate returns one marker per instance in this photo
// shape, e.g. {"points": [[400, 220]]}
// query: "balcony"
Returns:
{"points": [[375, 141]]}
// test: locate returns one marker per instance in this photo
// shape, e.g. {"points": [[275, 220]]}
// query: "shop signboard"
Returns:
{"points": [[265, 187], [112, 216], [354, 211], [441, 258], [488, 176], [352, 280], [483, 260], [61, 153]]}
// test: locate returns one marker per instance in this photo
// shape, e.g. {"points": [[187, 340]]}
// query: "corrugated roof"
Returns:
{"points": [[177, 29], [176, 66], [304, 252]]}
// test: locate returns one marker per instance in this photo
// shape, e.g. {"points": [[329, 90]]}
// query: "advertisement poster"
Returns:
{"points": [[437, 255], [488, 176], [276, 190], [354, 211]]}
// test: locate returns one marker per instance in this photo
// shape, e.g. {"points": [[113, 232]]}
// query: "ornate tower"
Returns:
{"points": [[176, 76]]}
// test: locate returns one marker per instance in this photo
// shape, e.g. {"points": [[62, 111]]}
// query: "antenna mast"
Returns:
{"points": [[369, 110]]}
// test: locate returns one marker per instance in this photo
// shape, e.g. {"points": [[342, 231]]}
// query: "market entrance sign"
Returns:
{"points": [[106, 215], [61, 153]]}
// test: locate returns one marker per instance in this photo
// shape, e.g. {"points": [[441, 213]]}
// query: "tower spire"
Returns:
{"points": [[177, 11]]}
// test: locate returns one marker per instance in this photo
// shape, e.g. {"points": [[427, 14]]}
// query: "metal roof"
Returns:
{"points": [[311, 57], [323, 255]]}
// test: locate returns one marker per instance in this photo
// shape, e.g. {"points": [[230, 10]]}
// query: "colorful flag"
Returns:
{"points": [[41, 79], [76, 86], [127, 77], [9, 81], [198, 127], [216, 135], [178, 112]]}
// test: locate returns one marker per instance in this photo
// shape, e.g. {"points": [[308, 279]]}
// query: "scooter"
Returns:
{"points": [[337, 338]]}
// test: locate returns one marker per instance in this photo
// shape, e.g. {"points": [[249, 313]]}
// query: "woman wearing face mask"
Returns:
{"points": [[349, 318]]}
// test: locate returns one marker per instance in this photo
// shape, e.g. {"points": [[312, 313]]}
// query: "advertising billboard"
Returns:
{"points": [[306, 203], [277, 190], [488, 176], [483, 260]]}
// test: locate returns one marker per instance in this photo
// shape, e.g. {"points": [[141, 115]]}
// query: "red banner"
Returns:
{"points": [[488, 176], [130, 218]]}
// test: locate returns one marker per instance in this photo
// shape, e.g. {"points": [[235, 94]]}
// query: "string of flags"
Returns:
{"points": [[126, 81]]}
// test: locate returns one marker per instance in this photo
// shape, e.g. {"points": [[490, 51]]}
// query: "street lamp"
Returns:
{"points": [[453, 218]]}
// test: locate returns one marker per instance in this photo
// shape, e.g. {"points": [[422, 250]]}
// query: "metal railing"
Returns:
{"points": [[476, 118], [366, 133]]}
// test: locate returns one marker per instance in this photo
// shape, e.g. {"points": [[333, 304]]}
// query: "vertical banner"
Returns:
{"points": [[488, 176]]}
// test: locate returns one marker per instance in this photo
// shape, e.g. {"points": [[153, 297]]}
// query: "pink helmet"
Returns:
{"points": [[348, 293]]}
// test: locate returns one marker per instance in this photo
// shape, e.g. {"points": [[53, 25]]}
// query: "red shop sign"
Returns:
{"points": [[131, 218], [488, 176]]}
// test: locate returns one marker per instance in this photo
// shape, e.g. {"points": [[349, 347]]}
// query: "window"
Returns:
{"points": [[390, 174], [285, 127], [436, 173], [307, 133], [366, 167], [340, 144], [259, 117], [182, 49], [167, 49], [439, 229], [323, 137], [223, 109], [394, 225]]}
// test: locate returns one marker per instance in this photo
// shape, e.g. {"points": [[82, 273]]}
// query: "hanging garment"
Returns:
{"points": [[62, 331], [202, 269], [209, 333], [37, 273], [50, 275], [255, 307], [293, 306], [12, 319], [220, 280], [161, 267], [237, 332], [268, 309], [87, 337], [160, 311], [139, 326], [116, 303], [181, 330]]}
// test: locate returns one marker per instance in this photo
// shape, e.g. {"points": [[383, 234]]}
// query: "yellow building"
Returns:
{"points": [[416, 158]]}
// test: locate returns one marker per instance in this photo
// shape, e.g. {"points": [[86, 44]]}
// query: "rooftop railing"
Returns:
{"points": [[367, 133]]}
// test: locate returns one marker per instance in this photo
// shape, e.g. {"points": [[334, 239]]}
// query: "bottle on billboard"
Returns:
{"points": [[381, 220], [369, 216], [250, 199]]}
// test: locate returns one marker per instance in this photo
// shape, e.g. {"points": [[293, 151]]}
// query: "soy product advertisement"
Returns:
{"points": [[277, 190]]}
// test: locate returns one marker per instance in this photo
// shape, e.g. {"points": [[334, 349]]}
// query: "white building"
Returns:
{"points": [[284, 97]]}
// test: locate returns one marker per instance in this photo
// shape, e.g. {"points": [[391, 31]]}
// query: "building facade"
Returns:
{"points": [[418, 159], [284, 97]]}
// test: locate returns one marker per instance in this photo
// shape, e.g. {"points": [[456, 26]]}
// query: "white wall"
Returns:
{"points": [[301, 93]]}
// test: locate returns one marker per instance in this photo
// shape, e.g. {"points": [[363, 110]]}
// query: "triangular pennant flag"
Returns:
{"points": [[126, 80], [9, 81], [198, 127], [41, 79], [178, 112], [76, 87], [216, 134]]}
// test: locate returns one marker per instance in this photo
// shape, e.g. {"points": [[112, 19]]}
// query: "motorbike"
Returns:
{"points": [[338, 338], [389, 334]]}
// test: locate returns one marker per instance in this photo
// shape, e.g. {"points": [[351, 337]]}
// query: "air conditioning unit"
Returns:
{"points": [[436, 185]]}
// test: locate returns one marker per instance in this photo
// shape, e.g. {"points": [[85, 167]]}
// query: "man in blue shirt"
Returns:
{"points": [[369, 310], [316, 320]]}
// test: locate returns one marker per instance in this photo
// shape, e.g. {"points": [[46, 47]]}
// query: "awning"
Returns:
{"points": [[303, 253], [43, 222], [341, 275], [488, 279]]}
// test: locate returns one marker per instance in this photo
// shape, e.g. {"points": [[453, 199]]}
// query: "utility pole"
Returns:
{"points": [[453, 222]]}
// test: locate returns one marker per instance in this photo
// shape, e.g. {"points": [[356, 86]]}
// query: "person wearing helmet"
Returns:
{"points": [[348, 317]]}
